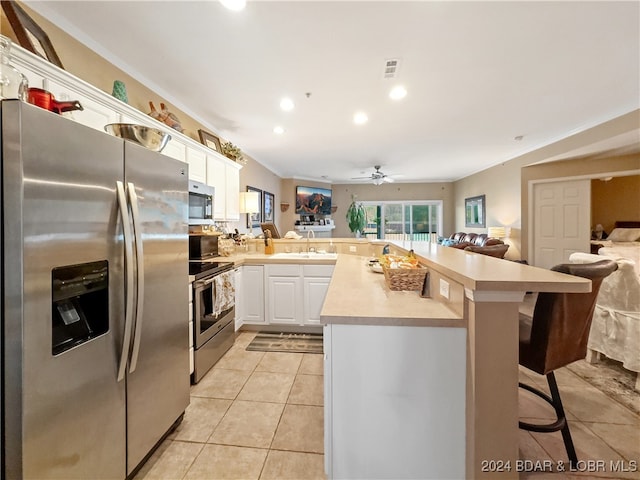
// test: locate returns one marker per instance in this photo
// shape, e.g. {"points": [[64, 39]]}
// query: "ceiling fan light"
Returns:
{"points": [[378, 181]]}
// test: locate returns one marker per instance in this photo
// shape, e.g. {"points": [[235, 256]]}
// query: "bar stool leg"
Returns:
{"points": [[566, 434]]}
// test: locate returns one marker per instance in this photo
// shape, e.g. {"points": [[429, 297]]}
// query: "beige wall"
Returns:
{"points": [[506, 185], [615, 199]]}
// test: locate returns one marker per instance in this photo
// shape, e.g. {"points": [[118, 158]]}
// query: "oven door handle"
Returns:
{"points": [[128, 257], [137, 232]]}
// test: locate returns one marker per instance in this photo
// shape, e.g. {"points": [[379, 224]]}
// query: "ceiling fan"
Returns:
{"points": [[376, 177]]}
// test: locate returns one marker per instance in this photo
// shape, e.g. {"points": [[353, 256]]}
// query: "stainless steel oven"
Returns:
{"points": [[213, 313]]}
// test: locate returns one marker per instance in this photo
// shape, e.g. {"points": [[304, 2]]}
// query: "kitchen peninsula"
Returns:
{"points": [[427, 387]]}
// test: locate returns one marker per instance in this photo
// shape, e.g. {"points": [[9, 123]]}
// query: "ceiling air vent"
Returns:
{"points": [[391, 67]]}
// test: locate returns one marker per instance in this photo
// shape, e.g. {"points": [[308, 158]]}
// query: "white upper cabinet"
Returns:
{"points": [[94, 114], [100, 109], [197, 161], [216, 177], [232, 173]]}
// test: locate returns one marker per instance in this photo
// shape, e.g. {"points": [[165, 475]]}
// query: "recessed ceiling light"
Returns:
{"points": [[398, 92], [360, 118], [287, 104], [235, 5], [278, 130]]}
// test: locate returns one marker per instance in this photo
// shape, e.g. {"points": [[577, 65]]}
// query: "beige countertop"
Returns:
{"points": [[484, 273], [359, 296]]}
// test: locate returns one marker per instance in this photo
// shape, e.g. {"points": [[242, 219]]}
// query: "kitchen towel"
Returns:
{"points": [[223, 292]]}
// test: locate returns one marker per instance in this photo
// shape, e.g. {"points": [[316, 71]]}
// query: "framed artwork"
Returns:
{"points": [[475, 212], [210, 140], [268, 199], [254, 219], [29, 33]]}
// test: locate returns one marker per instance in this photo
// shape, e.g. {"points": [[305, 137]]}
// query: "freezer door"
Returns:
{"points": [[158, 373], [64, 411]]}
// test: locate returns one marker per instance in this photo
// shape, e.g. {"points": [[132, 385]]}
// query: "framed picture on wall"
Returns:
{"points": [[29, 34], [268, 199], [254, 219], [210, 140], [475, 212]]}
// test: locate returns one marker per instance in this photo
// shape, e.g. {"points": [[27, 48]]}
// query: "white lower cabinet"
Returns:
{"points": [[252, 296], [295, 293]]}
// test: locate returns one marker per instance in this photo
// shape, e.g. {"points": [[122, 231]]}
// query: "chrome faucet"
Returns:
{"points": [[309, 233]]}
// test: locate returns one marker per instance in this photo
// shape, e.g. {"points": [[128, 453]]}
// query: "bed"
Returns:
{"points": [[615, 329]]}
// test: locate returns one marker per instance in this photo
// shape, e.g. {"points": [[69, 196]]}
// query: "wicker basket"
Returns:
{"points": [[404, 278]]}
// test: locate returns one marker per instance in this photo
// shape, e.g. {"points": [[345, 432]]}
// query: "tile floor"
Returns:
{"points": [[259, 415]]}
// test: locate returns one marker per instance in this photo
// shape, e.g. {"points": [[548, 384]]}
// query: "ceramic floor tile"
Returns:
{"points": [[248, 424], [200, 418], [301, 429], [239, 359], [564, 377], [221, 383], [217, 462], [312, 364], [624, 439], [171, 460], [244, 338], [280, 362], [591, 405], [293, 466], [307, 390], [588, 447], [267, 387]]}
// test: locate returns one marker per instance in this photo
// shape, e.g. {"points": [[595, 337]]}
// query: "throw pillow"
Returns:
{"points": [[624, 235]]}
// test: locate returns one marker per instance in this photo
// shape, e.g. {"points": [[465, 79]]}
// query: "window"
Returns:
{"points": [[416, 221]]}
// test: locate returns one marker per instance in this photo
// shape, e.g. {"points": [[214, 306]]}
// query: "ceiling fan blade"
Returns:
{"points": [[388, 179], [361, 178]]}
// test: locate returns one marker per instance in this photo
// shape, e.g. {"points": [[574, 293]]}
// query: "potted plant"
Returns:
{"points": [[231, 151], [356, 217]]}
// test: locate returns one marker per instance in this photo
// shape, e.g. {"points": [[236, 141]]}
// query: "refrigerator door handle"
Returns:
{"points": [[128, 256], [137, 232]]}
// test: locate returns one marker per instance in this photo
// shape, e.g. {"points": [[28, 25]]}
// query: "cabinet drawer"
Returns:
{"points": [[283, 270], [317, 270]]}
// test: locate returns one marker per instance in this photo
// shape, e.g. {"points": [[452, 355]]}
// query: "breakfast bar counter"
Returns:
{"points": [[427, 387]]}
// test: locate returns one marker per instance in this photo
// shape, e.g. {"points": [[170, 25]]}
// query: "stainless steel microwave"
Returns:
{"points": [[201, 198]]}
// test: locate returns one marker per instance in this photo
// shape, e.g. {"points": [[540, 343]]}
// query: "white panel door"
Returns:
{"points": [[561, 218], [197, 161], [315, 289], [216, 177], [232, 211], [284, 294], [94, 114], [252, 297]]}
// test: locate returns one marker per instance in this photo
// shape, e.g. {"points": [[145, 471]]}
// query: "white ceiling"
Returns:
{"points": [[478, 74]]}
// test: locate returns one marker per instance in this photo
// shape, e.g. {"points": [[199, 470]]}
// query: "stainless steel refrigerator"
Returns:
{"points": [[95, 362]]}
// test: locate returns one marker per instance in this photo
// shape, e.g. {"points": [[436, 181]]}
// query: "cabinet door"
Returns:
{"points": [[285, 295], [197, 161], [175, 149], [94, 114], [216, 177], [253, 294], [315, 289], [232, 173]]}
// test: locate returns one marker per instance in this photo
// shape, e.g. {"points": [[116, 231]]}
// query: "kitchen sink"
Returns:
{"points": [[310, 255]]}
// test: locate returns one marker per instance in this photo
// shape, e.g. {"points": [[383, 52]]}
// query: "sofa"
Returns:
{"points": [[478, 243], [462, 240], [615, 328]]}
